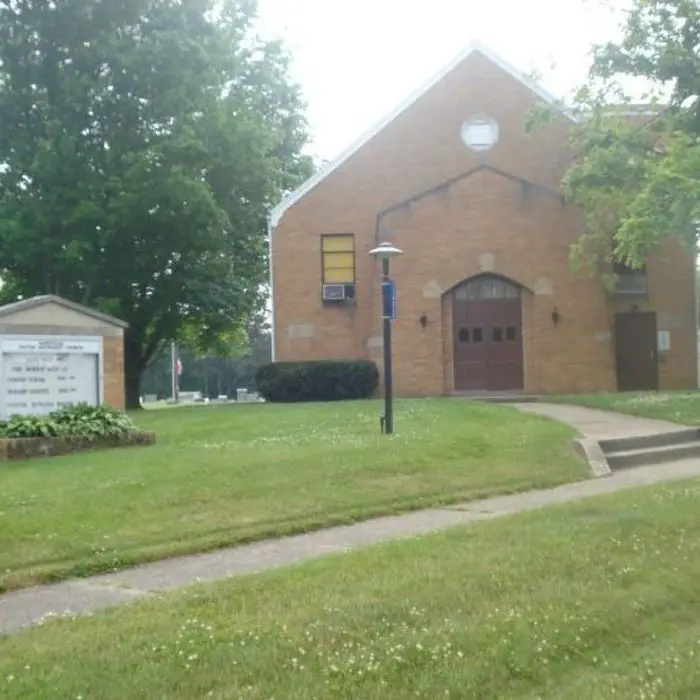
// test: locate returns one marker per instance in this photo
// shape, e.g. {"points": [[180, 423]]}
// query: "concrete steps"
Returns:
{"points": [[624, 453]]}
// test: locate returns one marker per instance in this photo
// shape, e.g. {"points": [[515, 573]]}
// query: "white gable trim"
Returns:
{"points": [[278, 212]]}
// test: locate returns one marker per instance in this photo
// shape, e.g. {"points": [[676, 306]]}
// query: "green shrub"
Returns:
{"points": [[321, 380], [81, 420], [92, 421], [28, 427]]}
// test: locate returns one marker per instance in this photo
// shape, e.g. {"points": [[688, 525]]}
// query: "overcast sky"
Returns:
{"points": [[356, 60]]}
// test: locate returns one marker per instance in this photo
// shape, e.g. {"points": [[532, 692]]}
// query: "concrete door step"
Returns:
{"points": [[652, 449], [505, 397], [508, 399], [640, 442]]}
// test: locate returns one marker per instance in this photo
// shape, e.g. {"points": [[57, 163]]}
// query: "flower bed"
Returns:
{"points": [[71, 429]]}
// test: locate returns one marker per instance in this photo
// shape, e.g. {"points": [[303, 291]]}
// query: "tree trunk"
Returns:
{"points": [[133, 367]]}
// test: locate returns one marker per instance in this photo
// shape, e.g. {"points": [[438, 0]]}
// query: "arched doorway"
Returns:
{"points": [[487, 315]]}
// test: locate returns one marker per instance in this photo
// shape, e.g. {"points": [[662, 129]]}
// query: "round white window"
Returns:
{"points": [[480, 133]]}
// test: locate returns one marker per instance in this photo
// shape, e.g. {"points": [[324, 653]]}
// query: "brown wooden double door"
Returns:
{"points": [[488, 342]]}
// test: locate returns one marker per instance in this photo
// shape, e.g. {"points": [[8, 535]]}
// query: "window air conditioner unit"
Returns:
{"points": [[338, 292]]}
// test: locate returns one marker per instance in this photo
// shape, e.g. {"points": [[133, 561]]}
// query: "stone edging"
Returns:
{"points": [[12, 449]]}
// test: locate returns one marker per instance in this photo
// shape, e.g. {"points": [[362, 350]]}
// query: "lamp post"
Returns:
{"points": [[385, 252]]}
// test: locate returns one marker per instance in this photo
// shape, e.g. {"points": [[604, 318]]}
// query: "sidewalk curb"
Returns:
{"points": [[593, 453]]}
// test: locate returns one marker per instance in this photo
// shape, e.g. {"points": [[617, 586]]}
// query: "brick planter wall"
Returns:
{"points": [[114, 394], [27, 448]]}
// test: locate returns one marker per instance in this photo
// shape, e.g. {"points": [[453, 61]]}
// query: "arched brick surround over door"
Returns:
{"points": [[487, 332]]}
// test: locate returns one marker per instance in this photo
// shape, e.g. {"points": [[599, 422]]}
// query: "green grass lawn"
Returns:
{"points": [[224, 475], [596, 600], [678, 407]]}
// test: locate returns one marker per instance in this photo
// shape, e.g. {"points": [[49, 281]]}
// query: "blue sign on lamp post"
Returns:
{"points": [[389, 300]]}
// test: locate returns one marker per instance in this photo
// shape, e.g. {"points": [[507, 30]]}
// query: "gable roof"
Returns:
{"points": [[475, 47], [42, 300]]}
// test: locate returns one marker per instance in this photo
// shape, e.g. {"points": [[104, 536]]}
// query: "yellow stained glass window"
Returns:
{"points": [[338, 252]]}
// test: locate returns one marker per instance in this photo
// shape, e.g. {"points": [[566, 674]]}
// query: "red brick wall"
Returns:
{"points": [[486, 221], [671, 294], [113, 362]]}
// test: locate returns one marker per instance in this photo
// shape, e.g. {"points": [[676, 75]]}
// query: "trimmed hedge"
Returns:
{"points": [[318, 380]]}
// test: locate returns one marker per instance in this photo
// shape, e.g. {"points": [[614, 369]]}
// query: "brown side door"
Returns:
{"points": [[636, 352], [488, 346]]}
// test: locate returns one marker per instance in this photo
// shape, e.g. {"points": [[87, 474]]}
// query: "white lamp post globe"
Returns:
{"points": [[385, 251]]}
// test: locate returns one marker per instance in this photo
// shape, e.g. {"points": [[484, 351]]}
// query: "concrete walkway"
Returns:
{"points": [[591, 422], [33, 605]]}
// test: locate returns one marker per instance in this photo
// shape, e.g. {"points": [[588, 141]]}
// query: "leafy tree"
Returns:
{"points": [[638, 176], [142, 143]]}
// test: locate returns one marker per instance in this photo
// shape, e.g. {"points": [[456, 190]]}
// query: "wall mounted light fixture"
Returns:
{"points": [[556, 317], [424, 321]]}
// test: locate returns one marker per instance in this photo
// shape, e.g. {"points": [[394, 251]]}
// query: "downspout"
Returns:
{"points": [[696, 307], [374, 329], [270, 229]]}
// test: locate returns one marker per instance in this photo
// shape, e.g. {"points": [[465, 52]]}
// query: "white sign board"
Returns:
{"points": [[664, 341], [39, 375]]}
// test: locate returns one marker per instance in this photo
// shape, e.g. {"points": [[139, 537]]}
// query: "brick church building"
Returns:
{"points": [[487, 299]]}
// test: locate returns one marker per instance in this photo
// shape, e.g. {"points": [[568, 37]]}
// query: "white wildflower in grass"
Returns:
{"points": [[522, 607]]}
